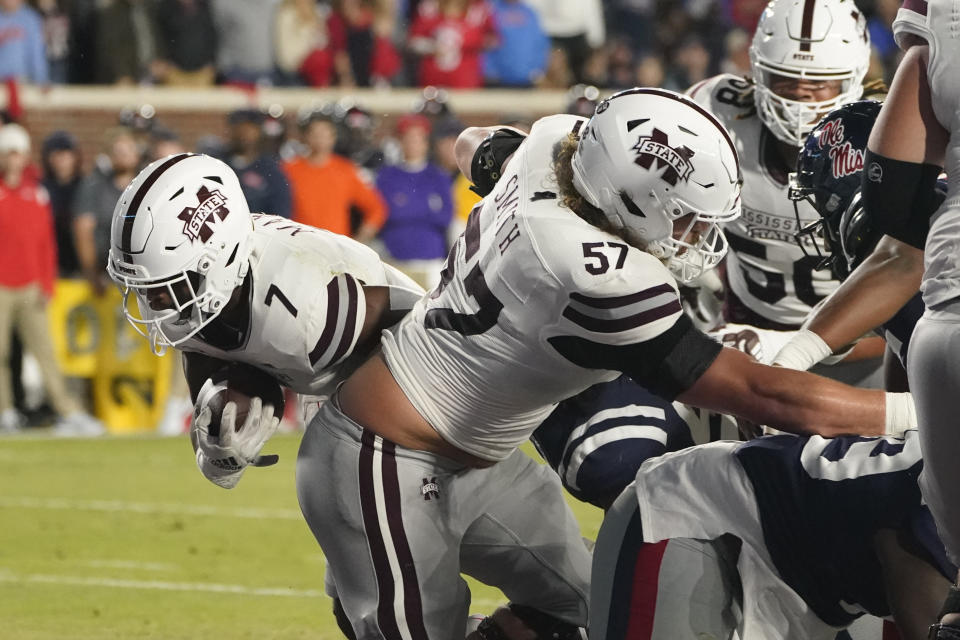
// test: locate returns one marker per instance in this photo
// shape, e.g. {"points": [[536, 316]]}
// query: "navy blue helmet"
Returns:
{"points": [[829, 166]]}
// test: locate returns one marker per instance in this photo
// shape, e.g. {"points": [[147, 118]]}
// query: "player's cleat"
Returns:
{"points": [[78, 424], [11, 421]]}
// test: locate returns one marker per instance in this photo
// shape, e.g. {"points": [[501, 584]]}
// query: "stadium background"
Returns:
{"points": [[121, 537]]}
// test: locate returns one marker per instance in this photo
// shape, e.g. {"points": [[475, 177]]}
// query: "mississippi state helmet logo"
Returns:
{"points": [[197, 220], [656, 148]]}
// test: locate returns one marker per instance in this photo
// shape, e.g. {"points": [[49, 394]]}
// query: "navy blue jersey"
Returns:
{"points": [[898, 329], [598, 439], [822, 500]]}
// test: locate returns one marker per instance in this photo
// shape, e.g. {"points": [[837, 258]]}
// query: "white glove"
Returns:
{"points": [[804, 350], [223, 459], [900, 413]]}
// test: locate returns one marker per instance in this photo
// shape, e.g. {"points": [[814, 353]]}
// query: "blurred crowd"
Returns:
{"points": [[383, 43], [334, 166]]}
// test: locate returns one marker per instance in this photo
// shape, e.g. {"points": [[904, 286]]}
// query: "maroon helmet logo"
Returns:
{"points": [[656, 148], [197, 220]]}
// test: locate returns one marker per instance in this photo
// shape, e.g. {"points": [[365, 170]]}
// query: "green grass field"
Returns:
{"points": [[122, 538]]}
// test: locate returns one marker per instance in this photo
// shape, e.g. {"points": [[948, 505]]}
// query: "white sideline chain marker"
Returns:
{"points": [[251, 513], [208, 587]]}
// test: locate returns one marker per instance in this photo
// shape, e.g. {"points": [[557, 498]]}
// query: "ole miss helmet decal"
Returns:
{"points": [[197, 220], [656, 148]]}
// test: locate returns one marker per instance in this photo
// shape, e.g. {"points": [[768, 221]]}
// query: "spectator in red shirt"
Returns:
{"points": [[28, 266], [450, 36], [360, 40]]}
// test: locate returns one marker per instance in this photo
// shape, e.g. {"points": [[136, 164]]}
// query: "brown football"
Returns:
{"points": [[243, 382]]}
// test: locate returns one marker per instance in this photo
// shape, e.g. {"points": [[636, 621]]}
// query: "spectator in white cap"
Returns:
{"points": [[28, 266]]}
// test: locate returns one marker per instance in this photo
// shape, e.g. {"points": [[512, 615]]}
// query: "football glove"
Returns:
{"points": [[223, 458]]}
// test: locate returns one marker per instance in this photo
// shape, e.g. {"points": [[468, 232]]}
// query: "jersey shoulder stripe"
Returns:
{"points": [[340, 327], [622, 313]]}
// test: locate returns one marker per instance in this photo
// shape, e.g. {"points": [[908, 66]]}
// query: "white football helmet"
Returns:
{"points": [[813, 40], [182, 228], [649, 157]]}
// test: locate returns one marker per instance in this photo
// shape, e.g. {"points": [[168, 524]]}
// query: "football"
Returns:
{"points": [[243, 382]]}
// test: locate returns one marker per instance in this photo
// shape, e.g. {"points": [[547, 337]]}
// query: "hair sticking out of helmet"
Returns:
{"points": [[665, 171], [179, 246], [829, 167], [807, 58]]}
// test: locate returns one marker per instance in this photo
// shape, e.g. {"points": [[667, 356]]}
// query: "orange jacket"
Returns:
{"points": [[323, 195]]}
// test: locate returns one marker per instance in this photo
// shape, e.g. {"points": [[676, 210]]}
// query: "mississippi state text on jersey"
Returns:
{"points": [[766, 269]]}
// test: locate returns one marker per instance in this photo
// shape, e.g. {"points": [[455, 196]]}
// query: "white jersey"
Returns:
{"points": [[529, 284], [306, 304], [936, 22], [766, 268]]}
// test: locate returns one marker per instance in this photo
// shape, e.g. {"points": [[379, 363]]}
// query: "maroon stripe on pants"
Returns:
{"points": [[412, 603], [378, 552]]}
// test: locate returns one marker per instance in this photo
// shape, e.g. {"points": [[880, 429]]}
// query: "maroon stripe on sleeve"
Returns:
{"points": [[330, 325], [618, 325], [350, 323], [621, 301]]}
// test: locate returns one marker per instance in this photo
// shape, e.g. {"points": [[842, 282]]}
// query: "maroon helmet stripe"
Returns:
{"points": [[131, 215], [806, 27]]}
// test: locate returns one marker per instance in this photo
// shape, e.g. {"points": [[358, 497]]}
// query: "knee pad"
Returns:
{"points": [[544, 625]]}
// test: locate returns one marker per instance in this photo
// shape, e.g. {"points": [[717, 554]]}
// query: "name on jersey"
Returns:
{"points": [[507, 202], [196, 220], [844, 159]]}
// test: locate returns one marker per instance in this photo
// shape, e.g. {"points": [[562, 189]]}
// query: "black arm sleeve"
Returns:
{"points": [[197, 367], [488, 160], [667, 365], [900, 197]]}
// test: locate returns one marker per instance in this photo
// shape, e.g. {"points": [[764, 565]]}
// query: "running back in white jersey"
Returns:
{"points": [[306, 304], [766, 268], [937, 23], [528, 291]]}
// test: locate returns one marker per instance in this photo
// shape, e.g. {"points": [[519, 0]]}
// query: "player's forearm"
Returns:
{"points": [[872, 294], [804, 403]]}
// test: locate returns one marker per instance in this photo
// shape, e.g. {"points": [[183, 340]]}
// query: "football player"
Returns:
{"points": [[806, 58], [597, 439], [778, 538], [855, 248], [200, 273], [913, 138], [564, 277]]}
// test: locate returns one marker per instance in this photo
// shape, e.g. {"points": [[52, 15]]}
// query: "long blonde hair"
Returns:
{"points": [[570, 198]]}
